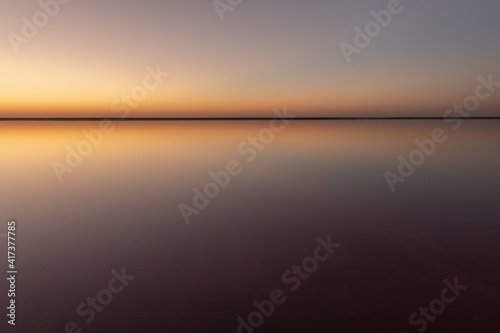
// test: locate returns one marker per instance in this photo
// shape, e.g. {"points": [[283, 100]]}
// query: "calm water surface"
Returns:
{"points": [[120, 209]]}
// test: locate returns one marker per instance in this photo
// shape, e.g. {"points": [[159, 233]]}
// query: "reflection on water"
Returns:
{"points": [[120, 208]]}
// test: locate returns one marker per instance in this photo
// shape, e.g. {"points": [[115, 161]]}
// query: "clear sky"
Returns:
{"points": [[264, 54]]}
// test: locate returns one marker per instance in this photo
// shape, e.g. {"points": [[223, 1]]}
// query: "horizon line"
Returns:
{"points": [[232, 118]]}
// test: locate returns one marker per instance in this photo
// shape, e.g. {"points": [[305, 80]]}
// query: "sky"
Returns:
{"points": [[93, 57]]}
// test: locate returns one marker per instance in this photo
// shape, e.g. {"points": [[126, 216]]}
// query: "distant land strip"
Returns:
{"points": [[234, 118]]}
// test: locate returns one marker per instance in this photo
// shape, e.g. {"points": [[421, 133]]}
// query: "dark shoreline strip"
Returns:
{"points": [[237, 118]]}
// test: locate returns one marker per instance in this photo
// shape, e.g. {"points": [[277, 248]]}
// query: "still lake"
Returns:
{"points": [[118, 209]]}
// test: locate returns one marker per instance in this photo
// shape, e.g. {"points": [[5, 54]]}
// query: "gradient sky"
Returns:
{"points": [[265, 54]]}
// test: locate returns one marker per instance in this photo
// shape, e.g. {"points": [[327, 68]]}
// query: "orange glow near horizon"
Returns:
{"points": [[52, 90], [256, 61]]}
